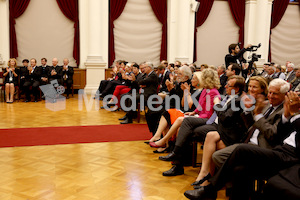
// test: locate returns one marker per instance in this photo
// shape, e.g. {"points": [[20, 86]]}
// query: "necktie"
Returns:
{"points": [[214, 115], [252, 129]]}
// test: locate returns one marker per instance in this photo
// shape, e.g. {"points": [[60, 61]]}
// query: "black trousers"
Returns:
{"points": [[109, 88], [284, 185], [193, 127], [69, 83], [35, 89], [249, 162]]}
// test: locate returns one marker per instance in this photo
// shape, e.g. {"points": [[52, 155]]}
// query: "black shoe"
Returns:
{"points": [[26, 101], [166, 150], [67, 97], [202, 180], [123, 118], [201, 193], [36, 101], [126, 121], [174, 171], [170, 157]]}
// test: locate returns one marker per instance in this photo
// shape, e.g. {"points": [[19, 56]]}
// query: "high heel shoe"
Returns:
{"points": [[202, 180], [166, 150], [152, 144]]}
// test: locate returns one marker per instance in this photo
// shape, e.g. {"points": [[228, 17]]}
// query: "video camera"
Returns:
{"points": [[254, 57]]}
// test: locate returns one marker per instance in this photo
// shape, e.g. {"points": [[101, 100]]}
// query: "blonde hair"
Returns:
{"points": [[262, 83], [198, 76], [8, 63], [210, 79]]}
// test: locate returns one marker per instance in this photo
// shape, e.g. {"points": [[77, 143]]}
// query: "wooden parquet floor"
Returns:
{"points": [[102, 171]]}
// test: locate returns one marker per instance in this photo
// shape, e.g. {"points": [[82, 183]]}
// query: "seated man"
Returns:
{"points": [[249, 162], [45, 71], [149, 86], [32, 78], [67, 74], [55, 72], [23, 73], [262, 122], [226, 120]]}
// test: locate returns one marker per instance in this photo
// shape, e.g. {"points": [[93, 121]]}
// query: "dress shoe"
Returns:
{"points": [[201, 193], [170, 157], [174, 171], [123, 118], [26, 101], [202, 180], [166, 150], [126, 121], [152, 144], [67, 97]]}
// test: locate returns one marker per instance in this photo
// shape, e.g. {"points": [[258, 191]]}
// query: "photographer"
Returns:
{"points": [[236, 54]]}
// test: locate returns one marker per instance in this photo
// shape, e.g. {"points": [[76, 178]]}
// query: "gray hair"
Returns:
{"points": [[186, 71], [291, 65], [150, 64], [284, 86]]}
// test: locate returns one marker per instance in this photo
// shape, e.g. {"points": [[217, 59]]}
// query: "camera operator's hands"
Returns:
{"points": [[248, 46]]}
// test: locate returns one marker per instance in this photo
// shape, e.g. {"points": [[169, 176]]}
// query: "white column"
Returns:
{"points": [[94, 32], [257, 26], [4, 33], [180, 30]]}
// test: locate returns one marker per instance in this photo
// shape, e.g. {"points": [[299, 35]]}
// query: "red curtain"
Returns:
{"points": [[116, 8], [159, 8], [237, 8], [201, 16], [16, 9], [278, 10], [70, 9]]}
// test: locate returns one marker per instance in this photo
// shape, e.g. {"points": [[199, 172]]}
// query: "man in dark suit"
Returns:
{"points": [[249, 162], [262, 122], [32, 78], [148, 87], [55, 72], [226, 120], [45, 71], [68, 72], [290, 72], [223, 79], [23, 74], [163, 75]]}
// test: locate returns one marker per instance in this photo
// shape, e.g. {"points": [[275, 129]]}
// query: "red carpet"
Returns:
{"points": [[73, 134]]}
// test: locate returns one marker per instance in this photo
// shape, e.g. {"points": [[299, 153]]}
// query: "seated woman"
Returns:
{"points": [[10, 80], [210, 82], [257, 85]]}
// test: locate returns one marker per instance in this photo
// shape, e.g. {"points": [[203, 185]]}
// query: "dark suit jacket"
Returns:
{"points": [[162, 81], [59, 72], [69, 73], [45, 71], [15, 79], [291, 77], [268, 136], [135, 84], [35, 75], [231, 126], [223, 82], [151, 82]]}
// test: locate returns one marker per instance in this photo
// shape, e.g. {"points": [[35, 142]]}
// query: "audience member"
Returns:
{"points": [[23, 74], [55, 72], [45, 71], [32, 79], [248, 162], [223, 78], [67, 75], [290, 72], [10, 75]]}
